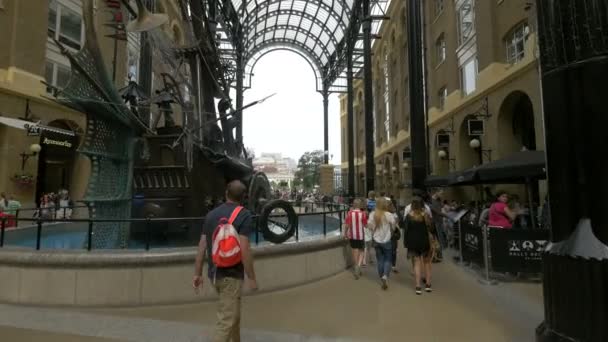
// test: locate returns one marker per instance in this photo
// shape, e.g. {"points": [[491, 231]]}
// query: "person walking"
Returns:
{"points": [[367, 251], [227, 281], [382, 224], [418, 243], [356, 220], [396, 235]]}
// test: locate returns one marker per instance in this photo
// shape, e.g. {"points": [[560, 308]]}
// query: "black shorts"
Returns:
{"points": [[357, 244]]}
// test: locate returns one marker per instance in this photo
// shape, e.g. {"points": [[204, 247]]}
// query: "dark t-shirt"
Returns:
{"points": [[243, 224]]}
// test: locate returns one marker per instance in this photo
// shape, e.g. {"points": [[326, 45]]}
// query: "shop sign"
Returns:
{"points": [[64, 143], [32, 130]]}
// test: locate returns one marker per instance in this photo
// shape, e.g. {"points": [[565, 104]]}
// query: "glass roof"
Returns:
{"points": [[313, 28]]}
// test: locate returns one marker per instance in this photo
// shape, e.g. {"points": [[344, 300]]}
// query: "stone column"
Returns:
{"points": [[327, 179]]}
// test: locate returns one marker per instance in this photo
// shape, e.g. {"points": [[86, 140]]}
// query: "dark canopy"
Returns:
{"points": [[514, 169]]}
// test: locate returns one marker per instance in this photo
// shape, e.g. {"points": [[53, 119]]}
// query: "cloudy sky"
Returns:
{"points": [[291, 122]]}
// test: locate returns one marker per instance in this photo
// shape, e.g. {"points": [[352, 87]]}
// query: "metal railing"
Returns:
{"points": [[40, 223]]}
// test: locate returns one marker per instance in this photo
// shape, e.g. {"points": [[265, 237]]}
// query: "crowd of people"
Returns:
{"points": [[374, 227], [55, 205]]}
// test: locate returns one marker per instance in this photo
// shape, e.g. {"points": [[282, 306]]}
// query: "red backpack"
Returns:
{"points": [[226, 250]]}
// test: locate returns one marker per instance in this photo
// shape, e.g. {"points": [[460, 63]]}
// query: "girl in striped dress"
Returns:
{"points": [[356, 220]]}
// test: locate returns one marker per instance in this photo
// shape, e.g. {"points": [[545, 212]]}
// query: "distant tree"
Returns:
{"points": [[283, 184], [308, 169]]}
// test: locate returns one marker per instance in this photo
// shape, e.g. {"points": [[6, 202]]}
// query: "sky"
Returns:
{"points": [[291, 122]]}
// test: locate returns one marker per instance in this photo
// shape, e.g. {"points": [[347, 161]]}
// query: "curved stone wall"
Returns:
{"points": [[163, 276]]}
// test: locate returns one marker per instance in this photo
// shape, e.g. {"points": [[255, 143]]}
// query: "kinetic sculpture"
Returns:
{"points": [[116, 128]]}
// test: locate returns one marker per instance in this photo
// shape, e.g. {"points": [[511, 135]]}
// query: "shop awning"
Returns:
{"points": [[34, 128], [437, 181], [514, 169]]}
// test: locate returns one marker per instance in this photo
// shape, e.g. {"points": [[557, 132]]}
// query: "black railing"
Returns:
{"points": [[40, 223]]}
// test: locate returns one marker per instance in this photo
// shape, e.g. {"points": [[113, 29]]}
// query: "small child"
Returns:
{"points": [[356, 220]]}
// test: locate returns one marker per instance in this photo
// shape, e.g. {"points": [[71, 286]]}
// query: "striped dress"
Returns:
{"points": [[356, 220]]}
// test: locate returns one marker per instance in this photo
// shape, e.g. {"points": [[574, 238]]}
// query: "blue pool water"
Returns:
{"points": [[74, 235]]}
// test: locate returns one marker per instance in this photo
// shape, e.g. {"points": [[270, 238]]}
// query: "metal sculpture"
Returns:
{"points": [[116, 129], [109, 141]]}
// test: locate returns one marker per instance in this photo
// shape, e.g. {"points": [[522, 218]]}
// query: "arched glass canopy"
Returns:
{"points": [[315, 29]]}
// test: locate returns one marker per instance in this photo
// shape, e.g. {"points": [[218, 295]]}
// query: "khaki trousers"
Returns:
{"points": [[228, 326]]}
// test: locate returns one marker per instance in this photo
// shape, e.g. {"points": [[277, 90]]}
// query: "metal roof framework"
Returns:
{"points": [[317, 30]]}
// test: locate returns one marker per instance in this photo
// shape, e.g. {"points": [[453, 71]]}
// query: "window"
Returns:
{"points": [[56, 75], [468, 75], [516, 43], [65, 25], [440, 49], [438, 7], [387, 98], [443, 94], [466, 21]]}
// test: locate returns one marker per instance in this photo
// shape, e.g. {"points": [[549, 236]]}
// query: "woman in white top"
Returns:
{"points": [[381, 222]]}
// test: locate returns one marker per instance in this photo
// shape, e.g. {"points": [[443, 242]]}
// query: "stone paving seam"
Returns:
{"points": [[129, 329]]}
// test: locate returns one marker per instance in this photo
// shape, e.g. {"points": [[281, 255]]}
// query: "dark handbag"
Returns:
{"points": [[396, 234]]}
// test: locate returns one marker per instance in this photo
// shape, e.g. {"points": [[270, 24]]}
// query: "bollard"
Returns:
{"points": [[485, 230], [148, 233], [38, 234], [324, 224], [2, 232], [90, 236]]}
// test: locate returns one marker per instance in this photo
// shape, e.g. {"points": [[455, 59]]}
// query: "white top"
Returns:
{"points": [[382, 233], [427, 209]]}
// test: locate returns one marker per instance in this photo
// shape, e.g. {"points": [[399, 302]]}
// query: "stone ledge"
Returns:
{"points": [[25, 257]]}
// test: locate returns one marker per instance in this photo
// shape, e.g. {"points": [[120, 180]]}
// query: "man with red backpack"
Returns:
{"points": [[226, 232]]}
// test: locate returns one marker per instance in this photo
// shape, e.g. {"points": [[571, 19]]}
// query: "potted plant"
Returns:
{"points": [[23, 179]]}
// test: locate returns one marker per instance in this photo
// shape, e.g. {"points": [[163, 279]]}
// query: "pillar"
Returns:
{"points": [[418, 126], [369, 97], [326, 126], [350, 119], [574, 64], [239, 93]]}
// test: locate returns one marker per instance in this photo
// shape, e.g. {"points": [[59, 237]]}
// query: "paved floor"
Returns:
{"points": [[336, 309]]}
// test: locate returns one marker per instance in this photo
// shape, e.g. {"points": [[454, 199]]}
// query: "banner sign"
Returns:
{"points": [[517, 250], [472, 243]]}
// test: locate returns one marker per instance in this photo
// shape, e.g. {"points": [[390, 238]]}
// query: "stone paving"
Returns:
{"points": [[336, 309]]}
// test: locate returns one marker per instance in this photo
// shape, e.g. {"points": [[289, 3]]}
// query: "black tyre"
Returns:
{"points": [[278, 221]]}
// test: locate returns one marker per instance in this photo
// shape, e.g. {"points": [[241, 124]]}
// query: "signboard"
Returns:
{"points": [[32, 130], [476, 127], [58, 143], [472, 244], [517, 250], [443, 140]]}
